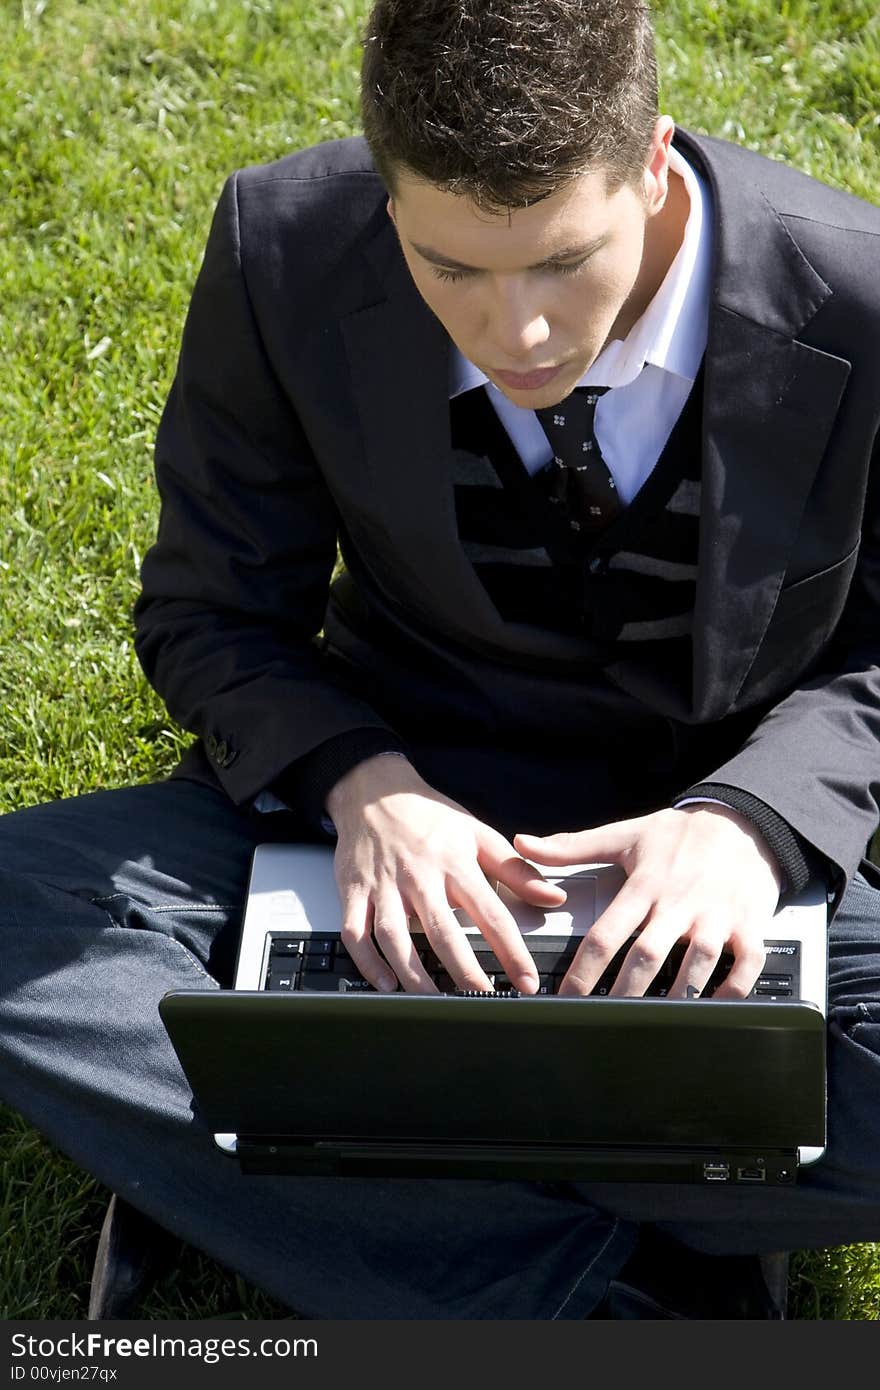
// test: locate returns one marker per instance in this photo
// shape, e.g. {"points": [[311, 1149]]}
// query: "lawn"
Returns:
{"points": [[119, 122]]}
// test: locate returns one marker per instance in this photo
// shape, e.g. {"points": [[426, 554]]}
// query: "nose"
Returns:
{"points": [[516, 321]]}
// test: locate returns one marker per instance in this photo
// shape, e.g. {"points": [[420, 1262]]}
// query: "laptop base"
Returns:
{"points": [[324, 1158]]}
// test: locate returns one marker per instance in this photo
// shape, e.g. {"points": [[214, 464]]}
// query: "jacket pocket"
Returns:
{"points": [[803, 622]]}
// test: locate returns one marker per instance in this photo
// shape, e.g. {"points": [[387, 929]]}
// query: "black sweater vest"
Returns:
{"points": [[634, 584]]}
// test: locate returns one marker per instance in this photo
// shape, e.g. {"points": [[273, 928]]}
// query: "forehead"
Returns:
{"points": [[453, 225]]}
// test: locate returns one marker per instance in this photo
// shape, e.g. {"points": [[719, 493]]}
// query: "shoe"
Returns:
{"points": [[664, 1279], [132, 1251]]}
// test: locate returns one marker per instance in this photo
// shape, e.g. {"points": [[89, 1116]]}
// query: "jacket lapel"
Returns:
{"points": [[402, 398], [770, 404]]}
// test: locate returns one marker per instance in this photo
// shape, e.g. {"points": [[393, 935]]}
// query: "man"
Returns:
{"points": [[667, 659]]}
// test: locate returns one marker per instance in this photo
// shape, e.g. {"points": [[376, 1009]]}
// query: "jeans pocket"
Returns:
{"points": [[860, 1025]]}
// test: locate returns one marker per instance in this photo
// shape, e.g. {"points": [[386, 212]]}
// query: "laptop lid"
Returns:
{"points": [[610, 1089]]}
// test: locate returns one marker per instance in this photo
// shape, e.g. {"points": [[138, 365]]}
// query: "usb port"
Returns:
{"points": [[773, 993], [716, 1172], [753, 1174]]}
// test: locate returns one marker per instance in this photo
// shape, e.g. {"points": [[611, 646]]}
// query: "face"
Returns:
{"points": [[531, 296]]}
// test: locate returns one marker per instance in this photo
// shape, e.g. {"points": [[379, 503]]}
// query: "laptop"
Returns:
{"points": [[303, 1068]]}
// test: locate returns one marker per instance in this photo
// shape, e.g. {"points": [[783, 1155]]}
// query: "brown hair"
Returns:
{"points": [[505, 100]]}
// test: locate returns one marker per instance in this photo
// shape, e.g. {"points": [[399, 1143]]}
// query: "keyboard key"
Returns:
{"points": [[321, 946], [319, 981], [551, 956], [286, 946], [490, 964], [319, 963]]}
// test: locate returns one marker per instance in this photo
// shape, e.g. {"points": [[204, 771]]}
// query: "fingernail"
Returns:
{"points": [[527, 984]]}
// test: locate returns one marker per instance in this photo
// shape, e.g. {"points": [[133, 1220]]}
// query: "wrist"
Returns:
{"points": [[799, 859], [376, 776], [721, 811]]}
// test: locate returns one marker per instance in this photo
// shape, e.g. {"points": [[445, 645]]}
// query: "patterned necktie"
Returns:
{"points": [[579, 478]]}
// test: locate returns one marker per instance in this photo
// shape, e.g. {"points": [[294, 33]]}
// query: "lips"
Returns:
{"points": [[528, 381]]}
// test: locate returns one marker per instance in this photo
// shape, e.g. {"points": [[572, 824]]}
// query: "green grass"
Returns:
{"points": [[119, 121]]}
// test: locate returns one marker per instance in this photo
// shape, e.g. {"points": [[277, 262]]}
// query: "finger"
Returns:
{"points": [[605, 844], [749, 956], [391, 933], [500, 862], [646, 956], [699, 962], [357, 921], [447, 939], [498, 927], [620, 920]]}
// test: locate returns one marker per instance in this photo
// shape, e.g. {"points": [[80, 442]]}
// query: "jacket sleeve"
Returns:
{"points": [[815, 757], [235, 588]]}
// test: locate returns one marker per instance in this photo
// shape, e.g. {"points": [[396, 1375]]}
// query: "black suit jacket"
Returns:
{"points": [[311, 403]]}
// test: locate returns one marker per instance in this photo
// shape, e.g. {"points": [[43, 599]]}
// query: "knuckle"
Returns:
{"points": [[438, 927], [647, 956], [600, 942], [738, 989], [747, 948], [577, 983], [384, 930], [353, 934], [704, 950], [754, 963]]}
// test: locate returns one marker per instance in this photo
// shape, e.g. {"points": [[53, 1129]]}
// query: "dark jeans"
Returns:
{"points": [[110, 900]]}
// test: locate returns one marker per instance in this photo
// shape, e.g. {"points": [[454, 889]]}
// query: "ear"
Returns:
{"points": [[657, 168], [389, 208]]}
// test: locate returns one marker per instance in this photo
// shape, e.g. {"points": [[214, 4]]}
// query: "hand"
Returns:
{"points": [[698, 873], [405, 850]]}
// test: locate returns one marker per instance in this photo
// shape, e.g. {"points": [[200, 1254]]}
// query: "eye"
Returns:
{"points": [[568, 267], [449, 275]]}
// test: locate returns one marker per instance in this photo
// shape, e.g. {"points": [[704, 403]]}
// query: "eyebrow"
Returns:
{"points": [[428, 253]]}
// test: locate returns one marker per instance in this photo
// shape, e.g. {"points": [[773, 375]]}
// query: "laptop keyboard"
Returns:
{"points": [[299, 961]]}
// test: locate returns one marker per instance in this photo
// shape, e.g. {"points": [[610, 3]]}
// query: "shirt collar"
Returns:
{"points": [[672, 332]]}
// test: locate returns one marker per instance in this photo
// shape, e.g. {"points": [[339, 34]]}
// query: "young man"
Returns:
{"points": [[667, 659]]}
